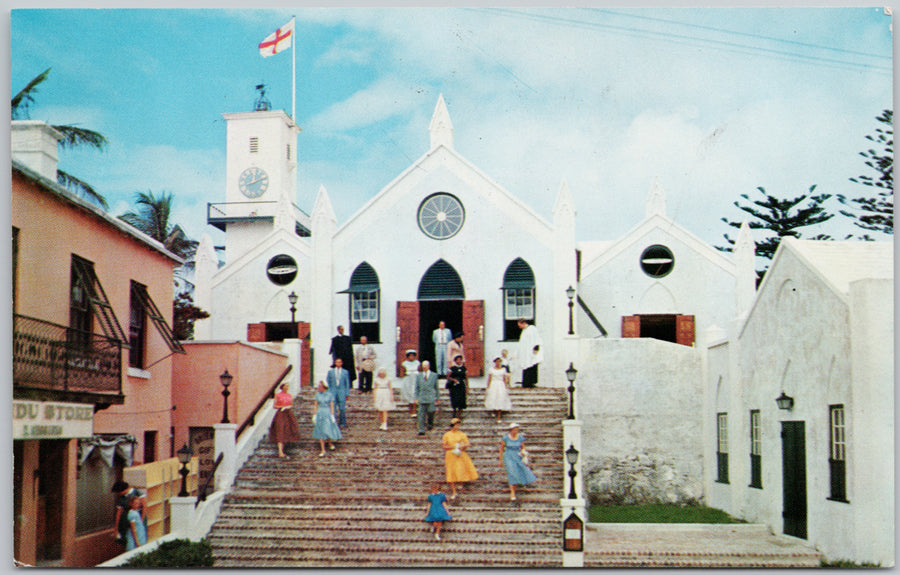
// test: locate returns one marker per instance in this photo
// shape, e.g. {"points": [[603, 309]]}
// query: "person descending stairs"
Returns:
{"points": [[364, 504]]}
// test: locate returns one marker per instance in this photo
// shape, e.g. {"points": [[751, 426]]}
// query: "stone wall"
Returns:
{"points": [[641, 403]]}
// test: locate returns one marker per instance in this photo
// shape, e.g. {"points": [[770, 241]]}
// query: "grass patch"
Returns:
{"points": [[175, 553], [847, 564], [657, 513]]}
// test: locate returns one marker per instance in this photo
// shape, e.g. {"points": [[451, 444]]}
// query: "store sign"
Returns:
{"points": [[51, 420]]}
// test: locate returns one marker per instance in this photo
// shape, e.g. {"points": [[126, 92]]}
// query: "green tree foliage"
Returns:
{"points": [[781, 217], [876, 213], [73, 136], [185, 314]]}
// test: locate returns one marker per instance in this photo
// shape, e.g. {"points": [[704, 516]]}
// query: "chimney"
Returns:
{"points": [[34, 144]]}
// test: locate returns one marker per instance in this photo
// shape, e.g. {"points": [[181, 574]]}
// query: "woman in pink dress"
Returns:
{"points": [[284, 425]]}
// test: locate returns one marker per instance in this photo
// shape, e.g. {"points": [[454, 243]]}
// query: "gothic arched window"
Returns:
{"points": [[518, 297], [364, 310]]}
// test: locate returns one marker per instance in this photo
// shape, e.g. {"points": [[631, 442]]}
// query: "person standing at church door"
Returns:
{"points": [[339, 386], [365, 364], [455, 349], [342, 347], [530, 353], [441, 337]]}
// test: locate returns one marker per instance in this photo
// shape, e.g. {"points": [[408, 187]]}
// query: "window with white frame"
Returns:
{"points": [[519, 304], [755, 450], [837, 458], [364, 307], [722, 447], [518, 297]]}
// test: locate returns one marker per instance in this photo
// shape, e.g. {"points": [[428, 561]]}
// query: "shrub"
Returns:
{"points": [[175, 553]]}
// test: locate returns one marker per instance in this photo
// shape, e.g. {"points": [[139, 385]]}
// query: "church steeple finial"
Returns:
{"points": [[656, 200], [441, 128]]}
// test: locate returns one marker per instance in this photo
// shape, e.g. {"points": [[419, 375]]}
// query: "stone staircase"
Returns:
{"points": [[363, 504]]}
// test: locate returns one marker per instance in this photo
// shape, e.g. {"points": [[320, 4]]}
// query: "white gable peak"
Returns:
{"points": [[322, 209], [284, 216], [656, 200], [441, 129], [564, 202]]}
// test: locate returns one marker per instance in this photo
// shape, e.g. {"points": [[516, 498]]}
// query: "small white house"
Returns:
{"points": [[801, 402]]}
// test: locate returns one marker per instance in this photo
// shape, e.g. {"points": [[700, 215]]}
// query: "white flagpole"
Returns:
{"points": [[294, 69]]}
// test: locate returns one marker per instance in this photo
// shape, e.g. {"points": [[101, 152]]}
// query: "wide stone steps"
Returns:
{"points": [[363, 504]]}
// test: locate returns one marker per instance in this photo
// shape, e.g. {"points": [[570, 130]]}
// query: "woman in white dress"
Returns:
{"points": [[496, 398], [408, 387], [383, 398]]}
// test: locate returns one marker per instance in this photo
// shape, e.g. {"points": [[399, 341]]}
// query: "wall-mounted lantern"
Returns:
{"points": [[784, 401]]}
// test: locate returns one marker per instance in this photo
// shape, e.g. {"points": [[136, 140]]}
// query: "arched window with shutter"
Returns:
{"points": [[364, 293], [518, 297]]}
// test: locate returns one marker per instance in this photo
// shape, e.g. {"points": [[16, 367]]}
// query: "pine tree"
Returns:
{"points": [[781, 217], [876, 213]]}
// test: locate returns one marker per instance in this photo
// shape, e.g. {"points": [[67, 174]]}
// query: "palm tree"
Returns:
{"points": [[73, 136], [153, 218]]}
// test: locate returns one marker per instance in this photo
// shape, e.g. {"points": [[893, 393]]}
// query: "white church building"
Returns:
{"points": [[667, 333]]}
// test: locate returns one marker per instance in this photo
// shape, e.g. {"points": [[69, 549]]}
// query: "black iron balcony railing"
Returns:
{"points": [[55, 357]]}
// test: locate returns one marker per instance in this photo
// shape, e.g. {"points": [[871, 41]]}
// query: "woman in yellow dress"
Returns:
{"points": [[459, 465]]}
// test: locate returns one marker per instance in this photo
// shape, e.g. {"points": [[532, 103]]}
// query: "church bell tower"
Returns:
{"points": [[260, 178]]}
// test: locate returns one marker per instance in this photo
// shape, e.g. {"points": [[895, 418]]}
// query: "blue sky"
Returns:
{"points": [[713, 102]]}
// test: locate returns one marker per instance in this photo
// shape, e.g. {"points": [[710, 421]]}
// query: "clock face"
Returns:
{"points": [[253, 182], [441, 216]]}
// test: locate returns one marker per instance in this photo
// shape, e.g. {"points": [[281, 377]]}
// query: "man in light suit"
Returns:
{"points": [[427, 396], [441, 337], [338, 380]]}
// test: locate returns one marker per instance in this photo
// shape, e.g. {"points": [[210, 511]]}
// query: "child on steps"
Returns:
{"points": [[437, 510]]}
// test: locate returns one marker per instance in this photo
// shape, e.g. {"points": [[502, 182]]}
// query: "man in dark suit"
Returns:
{"points": [[342, 347]]}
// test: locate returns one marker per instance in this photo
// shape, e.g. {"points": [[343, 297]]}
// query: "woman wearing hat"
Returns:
{"points": [[511, 451], [408, 371], [460, 468]]}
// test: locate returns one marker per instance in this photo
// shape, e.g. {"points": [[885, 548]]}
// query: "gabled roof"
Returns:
{"points": [[840, 263], [78, 203], [597, 254], [277, 235]]}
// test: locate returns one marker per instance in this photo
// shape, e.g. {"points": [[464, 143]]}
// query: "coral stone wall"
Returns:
{"points": [[641, 403]]}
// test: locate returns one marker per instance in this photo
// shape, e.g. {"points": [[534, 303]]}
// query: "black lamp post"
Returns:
{"points": [[572, 458], [784, 401], [571, 374], [570, 293], [293, 299], [225, 378], [184, 457]]}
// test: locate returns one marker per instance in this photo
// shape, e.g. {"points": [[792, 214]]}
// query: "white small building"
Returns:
{"points": [[819, 336]]}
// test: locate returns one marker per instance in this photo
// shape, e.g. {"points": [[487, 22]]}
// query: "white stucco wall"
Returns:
{"points": [[641, 403], [697, 285], [822, 348], [497, 230]]}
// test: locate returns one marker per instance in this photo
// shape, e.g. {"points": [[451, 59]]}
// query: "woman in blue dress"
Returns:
{"points": [[511, 451], [437, 510], [326, 427]]}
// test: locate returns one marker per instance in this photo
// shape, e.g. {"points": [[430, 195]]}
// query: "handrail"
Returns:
{"points": [[252, 417], [201, 493]]}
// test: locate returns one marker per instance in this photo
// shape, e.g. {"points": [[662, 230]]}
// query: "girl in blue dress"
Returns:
{"points": [[326, 427], [437, 510], [511, 450]]}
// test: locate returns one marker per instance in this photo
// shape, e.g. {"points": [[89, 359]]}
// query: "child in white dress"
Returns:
{"points": [[383, 398], [496, 398], [408, 387]]}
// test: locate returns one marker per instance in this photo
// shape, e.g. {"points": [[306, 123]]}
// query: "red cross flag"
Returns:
{"points": [[277, 41]]}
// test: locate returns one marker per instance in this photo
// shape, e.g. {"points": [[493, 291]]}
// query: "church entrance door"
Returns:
{"points": [[417, 320]]}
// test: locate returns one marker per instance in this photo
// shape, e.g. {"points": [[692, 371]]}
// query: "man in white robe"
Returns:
{"points": [[530, 353]]}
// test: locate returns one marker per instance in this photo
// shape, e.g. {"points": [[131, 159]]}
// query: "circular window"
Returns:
{"points": [[441, 216], [281, 269], [657, 261]]}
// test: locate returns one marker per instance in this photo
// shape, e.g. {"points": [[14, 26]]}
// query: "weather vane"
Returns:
{"points": [[262, 104]]}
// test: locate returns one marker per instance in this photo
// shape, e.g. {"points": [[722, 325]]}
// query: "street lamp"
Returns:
{"points": [[572, 458], [184, 457], [571, 374], [570, 293], [784, 401], [225, 378], [293, 299]]}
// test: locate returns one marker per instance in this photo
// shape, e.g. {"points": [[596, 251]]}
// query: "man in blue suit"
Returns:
{"points": [[338, 380]]}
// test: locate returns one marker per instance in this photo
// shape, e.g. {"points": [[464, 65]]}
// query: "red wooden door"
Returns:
{"points": [[631, 326], [407, 329], [684, 330], [473, 326]]}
